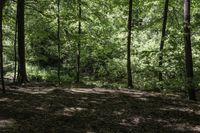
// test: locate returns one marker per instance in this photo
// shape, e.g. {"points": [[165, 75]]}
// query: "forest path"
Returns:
{"points": [[40, 109]]}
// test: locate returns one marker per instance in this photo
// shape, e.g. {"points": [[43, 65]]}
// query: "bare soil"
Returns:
{"points": [[50, 109]]}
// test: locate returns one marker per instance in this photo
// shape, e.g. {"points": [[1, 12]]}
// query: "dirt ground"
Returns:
{"points": [[49, 109]]}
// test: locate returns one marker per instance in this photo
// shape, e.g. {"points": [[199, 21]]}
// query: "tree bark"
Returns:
{"points": [[79, 43], [22, 76], [1, 46], [163, 36], [129, 69], [188, 51]]}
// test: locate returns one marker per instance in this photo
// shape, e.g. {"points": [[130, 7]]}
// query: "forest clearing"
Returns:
{"points": [[99, 66]]}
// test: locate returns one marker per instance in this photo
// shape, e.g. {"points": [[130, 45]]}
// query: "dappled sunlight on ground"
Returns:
{"points": [[4, 99], [34, 90], [6, 123], [181, 109], [185, 127], [134, 121], [70, 111], [96, 110]]}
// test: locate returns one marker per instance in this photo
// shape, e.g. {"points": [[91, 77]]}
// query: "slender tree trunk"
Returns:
{"points": [[129, 70], [1, 46], [79, 43], [15, 52], [188, 51], [165, 15], [22, 77], [58, 39]]}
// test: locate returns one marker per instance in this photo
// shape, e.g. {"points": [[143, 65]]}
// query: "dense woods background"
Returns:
{"points": [[69, 41]]}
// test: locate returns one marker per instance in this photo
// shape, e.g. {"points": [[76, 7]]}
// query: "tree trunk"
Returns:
{"points": [[165, 15], [22, 77], [1, 46], [129, 70], [79, 43], [188, 51], [58, 39]]}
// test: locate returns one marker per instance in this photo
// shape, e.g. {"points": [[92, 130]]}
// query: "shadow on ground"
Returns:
{"points": [[61, 110]]}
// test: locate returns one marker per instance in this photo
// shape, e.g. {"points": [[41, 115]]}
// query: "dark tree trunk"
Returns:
{"points": [[165, 15], [79, 43], [1, 46], [129, 70], [188, 51], [58, 39], [22, 77]]}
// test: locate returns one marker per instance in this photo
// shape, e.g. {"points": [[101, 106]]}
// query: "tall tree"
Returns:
{"points": [[188, 51], [163, 37], [129, 70], [58, 39], [22, 76], [79, 43], [1, 45]]}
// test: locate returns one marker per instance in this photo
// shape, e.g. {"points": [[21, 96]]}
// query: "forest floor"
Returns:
{"points": [[50, 109]]}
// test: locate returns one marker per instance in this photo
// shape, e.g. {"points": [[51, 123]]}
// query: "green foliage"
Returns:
{"points": [[103, 42]]}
